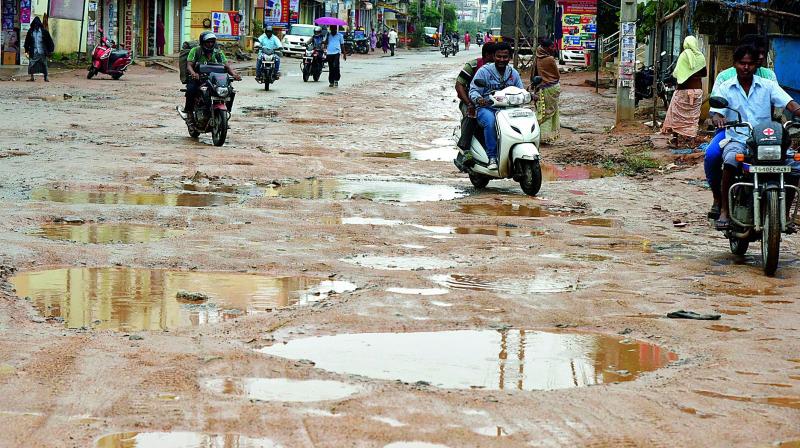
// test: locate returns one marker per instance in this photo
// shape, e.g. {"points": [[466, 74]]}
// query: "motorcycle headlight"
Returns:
{"points": [[769, 152], [222, 91]]}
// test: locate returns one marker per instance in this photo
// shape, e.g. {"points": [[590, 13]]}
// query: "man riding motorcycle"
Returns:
{"points": [[269, 41], [753, 97], [496, 76], [205, 53]]}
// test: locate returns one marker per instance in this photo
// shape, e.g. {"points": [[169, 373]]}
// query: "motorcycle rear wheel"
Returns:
{"points": [[771, 234], [479, 180], [117, 75], [219, 131], [531, 181]]}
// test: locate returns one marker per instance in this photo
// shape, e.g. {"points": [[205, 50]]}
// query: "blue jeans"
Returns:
{"points": [[487, 121], [277, 63], [713, 162]]}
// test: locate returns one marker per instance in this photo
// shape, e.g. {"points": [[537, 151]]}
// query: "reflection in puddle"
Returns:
{"points": [[594, 222], [496, 231], [375, 190], [492, 431], [129, 299], [443, 154], [786, 402], [574, 172], [539, 284], [131, 198], [399, 263], [281, 389], [104, 233], [726, 328], [510, 359], [528, 211], [419, 291], [181, 440], [578, 257]]}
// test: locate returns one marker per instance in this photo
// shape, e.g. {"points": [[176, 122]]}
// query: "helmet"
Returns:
{"points": [[206, 36], [268, 28], [317, 30]]}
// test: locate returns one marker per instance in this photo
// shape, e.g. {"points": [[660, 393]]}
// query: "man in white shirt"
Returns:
{"points": [[392, 40]]}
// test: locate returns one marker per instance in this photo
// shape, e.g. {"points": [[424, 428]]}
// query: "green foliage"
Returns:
{"points": [[607, 17], [646, 12], [431, 15], [418, 38], [470, 26]]}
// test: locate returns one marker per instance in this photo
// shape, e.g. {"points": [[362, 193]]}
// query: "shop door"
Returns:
{"points": [[12, 38]]}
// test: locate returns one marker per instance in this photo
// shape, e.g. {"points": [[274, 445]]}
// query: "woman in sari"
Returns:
{"points": [[548, 91], [683, 114], [39, 46]]}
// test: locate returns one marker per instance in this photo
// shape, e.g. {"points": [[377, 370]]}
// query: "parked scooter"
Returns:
{"points": [[757, 198], [267, 74], [212, 108], [517, 142], [313, 62], [108, 58]]}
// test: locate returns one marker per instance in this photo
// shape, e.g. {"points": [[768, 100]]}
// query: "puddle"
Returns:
{"points": [[131, 198], [726, 328], [594, 222], [216, 187], [130, 299], [399, 263], [105, 233], [578, 257], [527, 211], [540, 284], [281, 389], [419, 291], [496, 231], [357, 220], [785, 402], [512, 359], [374, 190], [443, 154], [181, 440], [492, 431], [573, 172], [414, 445]]}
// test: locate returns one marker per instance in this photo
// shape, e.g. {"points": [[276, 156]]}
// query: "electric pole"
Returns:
{"points": [[656, 63], [626, 99], [516, 32]]}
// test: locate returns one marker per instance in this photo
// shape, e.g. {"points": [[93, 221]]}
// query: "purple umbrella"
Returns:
{"points": [[330, 21]]}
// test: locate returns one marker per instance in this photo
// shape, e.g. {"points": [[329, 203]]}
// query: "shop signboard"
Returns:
{"points": [[294, 11], [67, 9], [128, 25], [225, 24], [578, 24], [276, 13]]}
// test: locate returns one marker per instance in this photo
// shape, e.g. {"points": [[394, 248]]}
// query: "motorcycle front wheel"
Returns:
{"points": [[306, 75], [219, 132], [531, 181], [771, 234]]}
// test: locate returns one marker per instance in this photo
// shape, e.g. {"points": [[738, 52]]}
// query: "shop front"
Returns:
{"points": [[16, 18]]}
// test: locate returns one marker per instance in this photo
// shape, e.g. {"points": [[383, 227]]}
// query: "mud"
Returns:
{"points": [[373, 190], [512, 209], [105, 233], [131, 198], [542, 283], [181, 440], [280, 389]]}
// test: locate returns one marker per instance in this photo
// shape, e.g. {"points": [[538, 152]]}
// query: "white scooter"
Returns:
{"points": [[517, 142]]}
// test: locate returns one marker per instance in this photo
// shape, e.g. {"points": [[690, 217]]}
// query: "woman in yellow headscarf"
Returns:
{"points": [[683, 114]]}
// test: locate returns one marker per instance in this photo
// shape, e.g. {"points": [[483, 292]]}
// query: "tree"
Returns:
{"points": [[646, 12], [470, 26]]}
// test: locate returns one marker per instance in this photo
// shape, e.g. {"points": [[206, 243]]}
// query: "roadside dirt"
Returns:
{"points": [[299, 174]]}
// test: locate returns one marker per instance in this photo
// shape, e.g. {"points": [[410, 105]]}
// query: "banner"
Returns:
{"points": [[294, 11], [67, 9], [276, 13], [578, 24], [225, 24]]}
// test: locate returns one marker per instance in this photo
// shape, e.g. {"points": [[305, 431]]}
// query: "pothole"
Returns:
{"points": [[374, 190], [399, 263], [574, 172], [419, 291], [131, 299], [594, 222], [443, 154], [104, 233], [499, 231], [281, 389], [483, 359], [131, 198], [179, 439], [528, 211], [542, 283]]}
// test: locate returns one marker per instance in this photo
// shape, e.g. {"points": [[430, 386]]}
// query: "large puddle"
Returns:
{"points": [[499, 231], [443, 154], [181, 440], [467, 359], [281, 389], [131, 198], [374, 190], [104, 233], [129, 299], [527, 211], [542, 283]]}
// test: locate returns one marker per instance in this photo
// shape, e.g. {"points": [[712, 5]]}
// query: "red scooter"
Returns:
{"points": [[108, 58]]}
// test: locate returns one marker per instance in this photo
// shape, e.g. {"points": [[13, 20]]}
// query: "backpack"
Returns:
{"points": [[184, 56]]}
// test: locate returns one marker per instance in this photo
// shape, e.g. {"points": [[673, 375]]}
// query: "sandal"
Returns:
{"points": [[714, 212], [722, 224]]}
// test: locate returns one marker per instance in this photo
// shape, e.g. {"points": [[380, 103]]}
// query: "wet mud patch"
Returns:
{"points": [[542, 283], [498, 231], [131, 198], [589, 258], [179, 439], [574, 172], [481, 359], [443, 154], [419, 291], [105, 233], [737, 290], [131, 299], [281, 389], [512, 209], [373, 190], [594, 222], [399, 263], [785, 402]]}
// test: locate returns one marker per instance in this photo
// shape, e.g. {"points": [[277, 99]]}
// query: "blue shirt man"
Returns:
{"points": [[334, 44], [496, 76], [270, 41]]}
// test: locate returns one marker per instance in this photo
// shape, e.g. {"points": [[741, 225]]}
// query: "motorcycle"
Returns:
{"points": [[313, 62], [108, 58], [446, 48], [479, 40], [757, 198], [361, 45], [267, 74], [665, 87], [212, 108], [517, 142]]}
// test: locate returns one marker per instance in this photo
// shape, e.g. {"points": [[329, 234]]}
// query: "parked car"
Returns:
{"points": [[294, 41], [429, 32], [572, 57]]}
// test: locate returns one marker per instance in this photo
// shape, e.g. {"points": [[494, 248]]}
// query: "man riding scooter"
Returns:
{"points": [[269, 41], [495, 76], [466, 107], [206, 53]]}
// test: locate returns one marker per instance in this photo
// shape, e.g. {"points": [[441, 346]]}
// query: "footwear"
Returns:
{"points": [[492, 164], [182, 113], [336, 83], [722, 224], [714, 212], [330, 85]]}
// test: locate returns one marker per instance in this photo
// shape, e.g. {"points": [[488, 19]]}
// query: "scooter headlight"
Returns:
{"points": [[222, 91]]}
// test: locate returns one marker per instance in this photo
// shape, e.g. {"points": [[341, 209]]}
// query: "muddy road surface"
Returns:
{"points": [[328, 278]]}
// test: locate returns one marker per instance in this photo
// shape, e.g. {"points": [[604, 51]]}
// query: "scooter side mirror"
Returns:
{"points": [[480, 83], [718, 102], [536, 80]]}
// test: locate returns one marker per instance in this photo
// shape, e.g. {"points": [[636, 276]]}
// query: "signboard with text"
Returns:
{"points": [[67, 9], [225, 24], [276, 13], [578, 24]]}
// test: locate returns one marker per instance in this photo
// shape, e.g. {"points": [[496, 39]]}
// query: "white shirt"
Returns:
{"points": [[393, 37]]}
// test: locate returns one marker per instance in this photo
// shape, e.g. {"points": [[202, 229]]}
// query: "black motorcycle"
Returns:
{"points": [[213, 106], [665, 87], [267, 74], [757, 199], [313, 62], [479, 40], [349, 44], [361, 45]]}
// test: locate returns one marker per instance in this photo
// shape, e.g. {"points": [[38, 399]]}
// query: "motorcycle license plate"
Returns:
{"points": [[769, 169]]}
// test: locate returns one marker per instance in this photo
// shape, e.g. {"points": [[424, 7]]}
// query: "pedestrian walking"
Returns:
{"points": [[373, 40], [39, 46], [683, 114], [333, 45], [548, 91], [160, 40], [385, 42], [392, 40], [466, 40]]}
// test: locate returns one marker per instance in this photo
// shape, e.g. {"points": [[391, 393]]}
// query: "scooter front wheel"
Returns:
{"points": [[117, 75], [91, 73], [531, 181]]}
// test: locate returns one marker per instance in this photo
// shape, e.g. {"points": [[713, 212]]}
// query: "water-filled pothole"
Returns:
{"points": [[499, 231], [181, 440], [374, 190], [409, 263], [131, 198], [466, 359], [443, 154], [542, 283], [130, 299], [104, 233], [281, 389], [594, 222], [528, 211]]}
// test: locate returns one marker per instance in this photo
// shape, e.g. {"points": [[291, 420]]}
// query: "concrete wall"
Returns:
{"points": [[200, 10]]}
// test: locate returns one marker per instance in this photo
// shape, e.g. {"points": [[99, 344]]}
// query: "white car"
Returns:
{"points": [[294, 41], [572, 57]]}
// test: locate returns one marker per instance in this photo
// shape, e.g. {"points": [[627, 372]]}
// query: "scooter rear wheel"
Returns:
{"points": [[479, 180], [91, 73], [116, 75]]}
